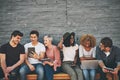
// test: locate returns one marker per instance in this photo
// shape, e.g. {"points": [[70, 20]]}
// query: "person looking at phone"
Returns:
{"points": [[109, 57], [33, 62]]}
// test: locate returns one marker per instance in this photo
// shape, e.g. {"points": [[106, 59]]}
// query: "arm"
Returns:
{"points": [[57, 61], [75, 58], [40, 56], [117, 61], [22, 58], [3, 65], [60, 44]]}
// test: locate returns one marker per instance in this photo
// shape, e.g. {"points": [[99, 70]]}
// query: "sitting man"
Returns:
{"points": [[35, 51], [12, 56], [108, 56]]}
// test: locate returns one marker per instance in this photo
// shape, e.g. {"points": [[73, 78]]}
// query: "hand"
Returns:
{"points": [[32, 68], [115, 71], [6, 76], [105, 70], [73, 64], [9, 69], [47, 62], [62, 40], [35, 55]]}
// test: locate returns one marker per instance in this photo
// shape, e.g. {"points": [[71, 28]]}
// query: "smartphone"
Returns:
{"points": [[30, 51]]}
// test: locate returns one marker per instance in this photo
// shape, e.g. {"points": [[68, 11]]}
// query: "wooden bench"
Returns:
{"points": [[59, 76], [64, 76]]}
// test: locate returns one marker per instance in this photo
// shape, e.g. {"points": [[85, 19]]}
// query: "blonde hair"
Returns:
{"points": [[88, 37], [49, 37]]}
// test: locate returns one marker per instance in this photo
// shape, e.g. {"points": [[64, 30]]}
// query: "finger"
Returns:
{"points": [[33, 52]]}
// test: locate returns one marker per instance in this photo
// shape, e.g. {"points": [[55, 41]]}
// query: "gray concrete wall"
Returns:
{"points": [[98, 17]]}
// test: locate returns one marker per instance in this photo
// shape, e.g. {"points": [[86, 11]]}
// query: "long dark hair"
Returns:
{"points": [[67, 40]]}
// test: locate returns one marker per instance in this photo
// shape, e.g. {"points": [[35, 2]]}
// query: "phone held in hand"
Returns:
{"points": [[30, 51], [109, 69]]}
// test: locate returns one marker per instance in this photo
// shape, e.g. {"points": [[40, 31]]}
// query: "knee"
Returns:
{"points": [[40, 71], [22, 71]]}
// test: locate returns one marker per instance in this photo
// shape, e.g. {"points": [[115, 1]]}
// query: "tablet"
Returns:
{"points": [[30, 51]]}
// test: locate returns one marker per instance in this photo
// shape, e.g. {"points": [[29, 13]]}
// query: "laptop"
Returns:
{"points": [[89, 64]]}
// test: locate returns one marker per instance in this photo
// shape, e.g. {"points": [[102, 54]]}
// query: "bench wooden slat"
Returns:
{"points": [[60, 76]]}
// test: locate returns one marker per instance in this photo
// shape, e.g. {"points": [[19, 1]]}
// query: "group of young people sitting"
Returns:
{"points": [[44, 59]]}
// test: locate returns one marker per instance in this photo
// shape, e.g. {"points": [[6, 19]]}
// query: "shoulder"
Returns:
{"points": [[27, 44], [4, 45], [20, 45], [115, 48], [80, 46], [41, 44], [55, 47]]}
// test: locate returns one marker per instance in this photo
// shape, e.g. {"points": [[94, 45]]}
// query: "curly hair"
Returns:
{"points": [[88, 37]]}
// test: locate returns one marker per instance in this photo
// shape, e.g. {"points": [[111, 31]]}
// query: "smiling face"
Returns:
{"points": [[16, 39], [71, 39], [103, 48], [47, 41], [33, 38], [87, 44]]}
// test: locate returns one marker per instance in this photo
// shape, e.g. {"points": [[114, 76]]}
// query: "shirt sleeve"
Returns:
{"points": [[3, 49], [94, 52], [118, 56], [80, 51], [43, 48], [22, 50], [57, 60], [98, 56]]}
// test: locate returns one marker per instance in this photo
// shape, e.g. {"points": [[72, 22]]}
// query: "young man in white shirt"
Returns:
{"points": [[33, 61]]}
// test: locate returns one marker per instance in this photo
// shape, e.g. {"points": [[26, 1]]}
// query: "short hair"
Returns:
{"points": [[88, 37], [107, 42], [17, 33], [34, 32], [49, 37]]}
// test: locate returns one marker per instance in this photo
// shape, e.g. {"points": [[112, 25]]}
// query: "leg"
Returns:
{"points": [[24, 70], [102, 74], [92, 74], [69, 70], [48, 72], [40, 71], [79, 72], [86, 74], [58, 70], [14, 74]]}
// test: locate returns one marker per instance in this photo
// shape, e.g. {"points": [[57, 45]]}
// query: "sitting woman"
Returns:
{"points": [[53, 65], [67, 44], [87, 51]]}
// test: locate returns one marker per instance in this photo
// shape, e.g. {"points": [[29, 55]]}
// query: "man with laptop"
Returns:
{"points": [[109, 58]]}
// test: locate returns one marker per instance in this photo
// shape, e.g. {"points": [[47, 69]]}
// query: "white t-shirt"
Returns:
{"points": [[84, 53], [69, 52], [38, 49]]}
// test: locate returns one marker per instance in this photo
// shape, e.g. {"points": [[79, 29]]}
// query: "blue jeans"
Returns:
{"points": [[14, 74], [39, 70], [89, 74], [49, 71]]}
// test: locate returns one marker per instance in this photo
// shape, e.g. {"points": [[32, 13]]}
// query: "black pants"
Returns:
{"points": [[1, 73]]}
